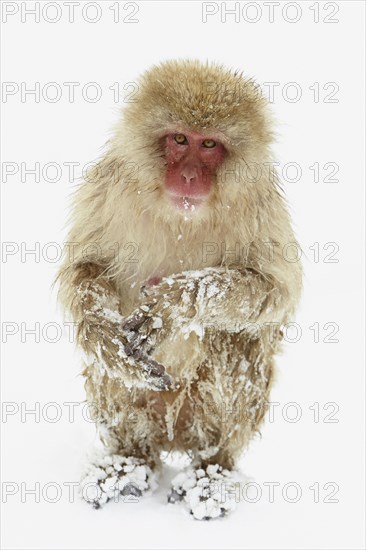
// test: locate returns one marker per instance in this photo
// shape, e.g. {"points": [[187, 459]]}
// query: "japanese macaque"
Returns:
{"points": [[180, 272]]}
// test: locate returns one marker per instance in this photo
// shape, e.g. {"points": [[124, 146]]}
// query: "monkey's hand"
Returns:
{"points": [[111, 342], [227, 297]]}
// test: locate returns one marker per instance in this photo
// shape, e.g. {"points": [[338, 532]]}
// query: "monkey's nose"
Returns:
{"points": [[189, 175]]}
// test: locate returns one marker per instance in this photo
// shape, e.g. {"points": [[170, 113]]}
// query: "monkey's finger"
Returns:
{"points": [[139, 347], [161, 382], [135, 321], [156, 373], [165, 381], [153, 367]]}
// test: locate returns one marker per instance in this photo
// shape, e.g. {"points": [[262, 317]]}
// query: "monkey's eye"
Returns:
{"points": [[209, 143], [181, 139]]}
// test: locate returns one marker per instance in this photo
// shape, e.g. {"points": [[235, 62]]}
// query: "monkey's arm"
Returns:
{"points": [[94, 305], [216, 295]]}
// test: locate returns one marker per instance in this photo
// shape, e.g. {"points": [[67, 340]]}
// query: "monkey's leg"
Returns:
{"points": [[132, 433], [230, 400]]}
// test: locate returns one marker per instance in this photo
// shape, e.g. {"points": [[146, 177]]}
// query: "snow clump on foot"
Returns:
{"points": [[115, 477], [209, 493]]}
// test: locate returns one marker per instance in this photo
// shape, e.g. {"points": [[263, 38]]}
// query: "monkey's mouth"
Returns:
{"points": [[187, 203]]}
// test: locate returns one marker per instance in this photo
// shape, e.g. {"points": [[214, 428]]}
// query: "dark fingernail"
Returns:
{"points": [[156, 368], [166, 380]]}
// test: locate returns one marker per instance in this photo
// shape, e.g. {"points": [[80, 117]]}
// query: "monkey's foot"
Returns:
{"points": [[115, 477], [209, 493]]}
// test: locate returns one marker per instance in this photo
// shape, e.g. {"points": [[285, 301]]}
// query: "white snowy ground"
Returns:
{"points": [[320, 454]]}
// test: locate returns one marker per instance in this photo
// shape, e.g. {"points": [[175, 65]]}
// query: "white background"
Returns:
{"points": [[303, 452]]}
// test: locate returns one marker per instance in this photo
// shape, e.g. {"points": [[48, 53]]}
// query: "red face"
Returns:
{"points": [[192, 161]]}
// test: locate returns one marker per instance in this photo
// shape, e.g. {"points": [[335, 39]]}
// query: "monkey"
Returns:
{"points": [[178, 276]]}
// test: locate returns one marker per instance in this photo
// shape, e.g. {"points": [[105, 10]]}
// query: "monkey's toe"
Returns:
{"points": [[176, 495], [208, 493], [117, 478]]}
